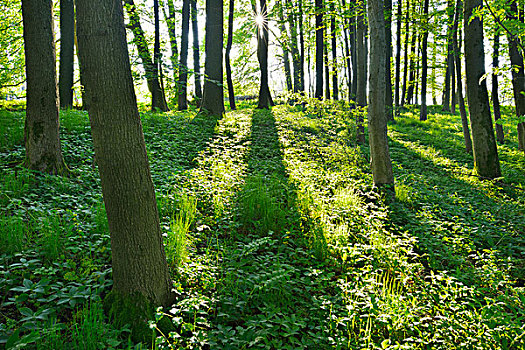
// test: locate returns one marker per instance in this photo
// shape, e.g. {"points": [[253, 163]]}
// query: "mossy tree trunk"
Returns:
{"points": [[486, 161], [140, 270], [67, 44], [41, 131], [377, 128], [213, 94]]}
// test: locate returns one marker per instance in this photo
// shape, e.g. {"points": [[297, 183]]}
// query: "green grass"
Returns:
{"points": [[275, 236]]}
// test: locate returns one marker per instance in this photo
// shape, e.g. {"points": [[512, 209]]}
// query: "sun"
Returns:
{"points": [[259, 20]]}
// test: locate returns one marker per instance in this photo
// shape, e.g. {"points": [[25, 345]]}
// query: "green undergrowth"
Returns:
{"points": [[275, 237]]}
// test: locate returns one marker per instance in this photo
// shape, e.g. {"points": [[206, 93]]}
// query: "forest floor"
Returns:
{"points": [[275, 236]]}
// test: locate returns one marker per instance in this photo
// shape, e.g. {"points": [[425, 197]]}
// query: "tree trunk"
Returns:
{"points": [[449, 62], [518, 77], [333, 33], [173, 39], [140, 271], [196, 51], [326, 71], [319, 44], [412, 59], [352, 24], [301, 43], [213, 95], [296, 57], [347, 50], [67, 44], [405, 61], [229, 80], [284, 46], [457, 50], [398, 54], [262, 55], [377, 128], [388, 59], [495, 94], [361, 75], [158, 99], [183, 62], [424, 63], [41, 131], [486, 162], [152, 74]]}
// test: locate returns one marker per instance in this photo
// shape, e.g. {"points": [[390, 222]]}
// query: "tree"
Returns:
{"points": [[262, 54], [283, 42], [495, 95], [424, 68], [213, 94], [377, 128], [170, 19], [67, 43], [157, 95], [486, 162], [183, 62], [152, 74], [140, 270], [41, 131], [196, 51], [398, 53], [296, 56], [333, 36], [231, 93], [388, 59], [319, 44], [449, 62]]}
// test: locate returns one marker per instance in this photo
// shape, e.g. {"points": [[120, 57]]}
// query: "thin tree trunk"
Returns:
{"points": [[407, 56], [352, 24], [333, 34], [296, 56], [67, 44], [213, 94], [377, 128], [140, 272], [361, 74], [433, 72], [170, 20], [196, 51], [326, 71], [183, 62], [284, 46], [41, 130], [449, 62], [152, 75], [319, 44], [398, 54], [486, 162], [347, 51], [457, 50], [301, 43], [158, 99], [262, 55], [412, 73], [388, 60], [424, 62], [231, 92], [518, 77], [495, 94]]}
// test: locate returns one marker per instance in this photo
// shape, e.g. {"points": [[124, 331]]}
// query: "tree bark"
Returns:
{"points": [[377, 128], [412, 59], [319, 44], [388, 59], [173, 38], [495, 94], [262, 55], [449, 62], [296, 56], [326, 71], [457, 50], [284, 46], [229, 80], [183, 62], [518, 77], [152, 73], [213, 95], [196, 51], [333, 34], [347, 50], [41, 131], [486, 162], [405, 61], [301, 43], [158, 99], [67, 44], [352, 24], [140, 270], [398, 54], [424, 63]]}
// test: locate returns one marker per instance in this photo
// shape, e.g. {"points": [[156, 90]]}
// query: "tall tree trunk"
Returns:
{"points": [[398, 54], [333, 34], [170, 20], [262, 55], [486, 162], [412, 59], [424, 63], [301, 43], [352, 24], [388, 59], [377, 128], [296, 56], [183, 62], [407, 56], [213, 94], [229, 80], [457, 51], [319, 44], [495, 94], [347, 50], [284, 46], [361, 74], [67, 44], [140, 271], [449, 62], [158, 99], [152, 73], [41, 130], [518, 76], [433, 72], [326, 71], [196, 51]]}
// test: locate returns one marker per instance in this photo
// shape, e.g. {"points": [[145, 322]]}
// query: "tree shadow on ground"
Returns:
{"points": [[472, 229]]}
